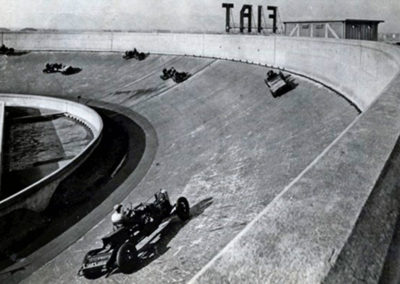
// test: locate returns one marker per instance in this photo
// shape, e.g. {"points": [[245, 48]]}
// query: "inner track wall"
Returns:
{"points": [[37, 195]]}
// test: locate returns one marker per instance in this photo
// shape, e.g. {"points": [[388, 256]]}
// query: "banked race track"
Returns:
{"points": [[293, 189]]}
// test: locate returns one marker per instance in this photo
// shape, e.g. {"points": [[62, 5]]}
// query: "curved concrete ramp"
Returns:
{"points": [[224, 142], [35, 194]]}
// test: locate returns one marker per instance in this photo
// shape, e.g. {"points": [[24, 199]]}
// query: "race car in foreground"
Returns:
{"points": [[278, 83], [119, 250]]}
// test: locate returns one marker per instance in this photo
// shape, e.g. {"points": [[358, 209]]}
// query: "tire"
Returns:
{"points": [[127, 257], [182, 208], [92, 274]]}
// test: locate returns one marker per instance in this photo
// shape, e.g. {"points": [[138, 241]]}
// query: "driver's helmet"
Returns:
{"points": [[163, 195], [118, 207]]}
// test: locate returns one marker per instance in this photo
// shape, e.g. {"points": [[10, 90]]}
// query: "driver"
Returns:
{"points": [[119, 217], [171, 71], [165, 72], [270, 73]]}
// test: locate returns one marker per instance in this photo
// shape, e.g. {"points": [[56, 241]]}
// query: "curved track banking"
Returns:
{"points": [[224, 142]]}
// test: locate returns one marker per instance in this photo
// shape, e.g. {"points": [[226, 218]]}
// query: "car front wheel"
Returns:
{"points": [[127, 257], [182, 208]]}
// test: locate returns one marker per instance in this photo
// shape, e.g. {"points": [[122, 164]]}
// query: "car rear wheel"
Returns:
{"points": [[127, 257], [182, 208]]}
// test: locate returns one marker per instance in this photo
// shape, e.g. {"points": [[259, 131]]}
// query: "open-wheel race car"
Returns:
{"points": [[119, 250], [4, 50], [278, 83], [178, 77], [135, 54], [60, 68]]}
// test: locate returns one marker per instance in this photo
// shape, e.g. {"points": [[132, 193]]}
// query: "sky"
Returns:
{"points": [[181, 15]]}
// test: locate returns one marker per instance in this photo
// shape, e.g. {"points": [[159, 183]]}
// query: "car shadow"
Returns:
{"points": [[290, 84], [72, 71], [140, 56], [18, 53], [158, 244]]}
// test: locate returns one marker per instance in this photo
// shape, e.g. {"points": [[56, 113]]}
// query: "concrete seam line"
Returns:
{"points": [[328, 86], [384, 90], [259, 215], [107, 92], [201, 70]]}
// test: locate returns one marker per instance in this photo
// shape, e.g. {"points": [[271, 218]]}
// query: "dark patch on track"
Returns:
{"points": [[81, 192]]}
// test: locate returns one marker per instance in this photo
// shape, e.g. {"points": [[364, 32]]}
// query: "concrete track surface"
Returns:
{"points": [[223, 142]]}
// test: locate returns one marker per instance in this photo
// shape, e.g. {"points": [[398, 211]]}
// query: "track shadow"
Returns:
{"points": [[18, 53], [78, 194], [72, 71], [139, 56], [292, 85], [59, 68], [143, 56], [158, 244], [4, 50]]}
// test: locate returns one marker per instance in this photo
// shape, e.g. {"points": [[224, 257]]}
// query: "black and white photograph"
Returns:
{"points": [[200, 141]]}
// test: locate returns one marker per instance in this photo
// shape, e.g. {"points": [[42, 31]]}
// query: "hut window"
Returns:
{"points": [[319, 26], [306, 26]]}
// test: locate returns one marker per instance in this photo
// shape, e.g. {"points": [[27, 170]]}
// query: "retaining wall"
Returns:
{"points": [[2, 114], [37, 196]]}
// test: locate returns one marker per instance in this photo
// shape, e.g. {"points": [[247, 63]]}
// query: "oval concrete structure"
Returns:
{"points": [[220, 134], [315, 214], [37, 196]]}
